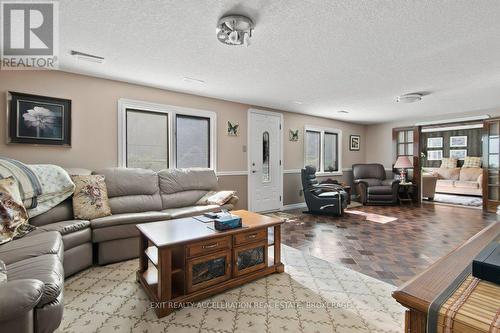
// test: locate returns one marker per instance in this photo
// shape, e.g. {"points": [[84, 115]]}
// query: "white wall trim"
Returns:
{"points": [[171, 110], [294, 206], [451, 128], [291, 171], [232, 173]]}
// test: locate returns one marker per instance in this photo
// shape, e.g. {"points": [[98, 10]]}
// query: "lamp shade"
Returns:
{"points": [[403, 162]]}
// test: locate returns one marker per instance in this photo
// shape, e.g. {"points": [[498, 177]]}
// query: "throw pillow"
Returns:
{"points": [[448, 163], [472, 162], [90, 199], [216, 198], [13, 214]]}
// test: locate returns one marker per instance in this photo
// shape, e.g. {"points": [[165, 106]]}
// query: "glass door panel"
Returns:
{"points": [[491, 143]]}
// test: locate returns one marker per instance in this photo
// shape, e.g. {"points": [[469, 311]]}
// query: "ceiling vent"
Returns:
{"points": [[234, 30]]}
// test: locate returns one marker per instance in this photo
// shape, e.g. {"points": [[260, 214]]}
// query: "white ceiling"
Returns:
{"points": [[331, 55]]}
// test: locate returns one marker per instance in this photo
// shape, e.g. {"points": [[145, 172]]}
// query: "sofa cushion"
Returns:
{"points": [[380, 189], [129, 218], [67, 227], [371, 181], [129, 181], [466, 184], [33, 246], [470, 174], [61, 212], [178, 180], [46, 268], [132, 190], [181, 199], [448, 173], [176, 213], [445, 182]]}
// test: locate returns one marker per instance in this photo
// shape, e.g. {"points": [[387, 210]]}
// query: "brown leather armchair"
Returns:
{"points": [[372, 186]]}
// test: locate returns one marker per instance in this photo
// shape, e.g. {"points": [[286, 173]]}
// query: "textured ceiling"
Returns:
{"points": [[330, 55]]}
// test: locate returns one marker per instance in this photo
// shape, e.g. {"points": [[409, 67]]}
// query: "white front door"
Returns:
{"points": [[264, 158]]}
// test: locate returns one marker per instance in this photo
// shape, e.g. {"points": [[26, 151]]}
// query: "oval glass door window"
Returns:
{"points": [[265, 157]]}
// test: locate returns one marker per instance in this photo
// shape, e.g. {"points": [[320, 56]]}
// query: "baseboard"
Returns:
{"points": [[295, 206]]}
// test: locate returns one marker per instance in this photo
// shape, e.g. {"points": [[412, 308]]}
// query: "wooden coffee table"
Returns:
{"points": [[186, 260]]}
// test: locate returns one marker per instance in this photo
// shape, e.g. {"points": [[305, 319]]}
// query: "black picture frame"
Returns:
{"points": [[38, 120], [354, 142]]}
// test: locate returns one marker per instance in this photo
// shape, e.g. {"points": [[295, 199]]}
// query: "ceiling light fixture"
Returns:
{"points": [[409, 98], [192, 80], [343, 111], [234, 30], [87, 57], [297, 102]]}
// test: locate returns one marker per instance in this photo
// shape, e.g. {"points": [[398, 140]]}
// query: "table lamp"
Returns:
{"points": [[403, 163]]}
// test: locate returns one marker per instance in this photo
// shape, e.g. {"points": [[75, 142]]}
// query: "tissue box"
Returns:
{"points": [[227, 223]]}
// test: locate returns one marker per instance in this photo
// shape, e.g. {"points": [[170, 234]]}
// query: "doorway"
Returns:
{"points": [[265, 149]]}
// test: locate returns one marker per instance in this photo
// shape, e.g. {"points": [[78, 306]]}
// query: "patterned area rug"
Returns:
{"points": [[311, 296]]}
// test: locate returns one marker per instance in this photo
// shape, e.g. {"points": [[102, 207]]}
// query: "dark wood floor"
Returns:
{"points": [[391, 244]]}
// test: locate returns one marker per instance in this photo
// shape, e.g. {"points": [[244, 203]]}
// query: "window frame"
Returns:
{"points": [[172, 111], [322, 131]]}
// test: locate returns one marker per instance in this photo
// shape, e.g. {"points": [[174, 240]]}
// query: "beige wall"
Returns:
{"points": [[379, 145], [94, 125]]}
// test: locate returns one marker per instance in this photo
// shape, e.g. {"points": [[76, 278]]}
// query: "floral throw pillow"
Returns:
{"points": [[13, 215], [90, 199]]}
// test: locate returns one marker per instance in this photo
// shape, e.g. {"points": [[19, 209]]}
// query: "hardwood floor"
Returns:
{"points": [[391, 244]]}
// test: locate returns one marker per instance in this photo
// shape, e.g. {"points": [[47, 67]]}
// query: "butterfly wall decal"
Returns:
{"points": [[293, 135], [232, 129]]}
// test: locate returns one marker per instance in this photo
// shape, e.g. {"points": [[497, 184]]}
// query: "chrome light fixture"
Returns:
{"points": [[234, 30], [409, 98]]}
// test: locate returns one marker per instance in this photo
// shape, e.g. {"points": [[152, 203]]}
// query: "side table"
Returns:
{"points": [[406, 192]]}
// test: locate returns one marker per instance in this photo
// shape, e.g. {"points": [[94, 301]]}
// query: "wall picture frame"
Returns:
{"points": [[434, 155], [293, 135], [458, 141], [435, 142], [38, 120], [354, 142], [458, 154]]}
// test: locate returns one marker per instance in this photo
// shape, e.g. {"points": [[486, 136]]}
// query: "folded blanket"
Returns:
{"points": [[42, 186]]}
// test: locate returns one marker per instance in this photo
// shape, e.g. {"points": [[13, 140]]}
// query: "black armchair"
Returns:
{"points": [[322, 198], [372, 185]]}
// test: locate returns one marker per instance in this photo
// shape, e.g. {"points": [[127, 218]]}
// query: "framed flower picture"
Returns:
{"points": [[40, 120]]}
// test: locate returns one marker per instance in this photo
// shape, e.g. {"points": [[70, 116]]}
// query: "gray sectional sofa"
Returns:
{"points": [[32, 298]]}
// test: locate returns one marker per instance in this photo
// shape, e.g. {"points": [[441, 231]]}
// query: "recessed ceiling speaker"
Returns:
{"points": [[234, 30], [409, 98]]}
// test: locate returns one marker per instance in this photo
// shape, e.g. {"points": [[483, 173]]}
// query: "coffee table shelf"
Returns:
{"points": [[183, 260]]}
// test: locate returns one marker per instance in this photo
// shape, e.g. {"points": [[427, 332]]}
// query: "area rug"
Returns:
{"points": [[311, 296], [458, 200]]}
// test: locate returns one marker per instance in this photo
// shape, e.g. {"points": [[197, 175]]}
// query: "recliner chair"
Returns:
{"points": [[328, 199], [372, 185]]}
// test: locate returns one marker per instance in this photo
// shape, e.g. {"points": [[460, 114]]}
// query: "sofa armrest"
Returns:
{"points": [[18, 297]]}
